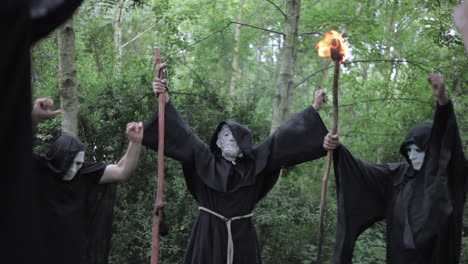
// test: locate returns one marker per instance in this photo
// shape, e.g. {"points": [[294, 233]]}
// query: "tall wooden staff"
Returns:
{"points": [[331, 46], [159, 204]]}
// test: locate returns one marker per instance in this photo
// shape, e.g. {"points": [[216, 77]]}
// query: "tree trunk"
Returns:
{"points": [[67, 71], [118, 37], [285, 86], [235, 61], [389, 42]]}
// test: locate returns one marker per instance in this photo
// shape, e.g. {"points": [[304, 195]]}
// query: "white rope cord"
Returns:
{"points": [[230, 248]]}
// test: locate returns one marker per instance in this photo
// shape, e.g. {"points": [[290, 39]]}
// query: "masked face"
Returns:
{"points": [[75, 166], [228, 145], [416, 156]]}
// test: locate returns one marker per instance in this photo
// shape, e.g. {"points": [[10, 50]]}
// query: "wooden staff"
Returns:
{"points": [[159, 204], [337, 57]]}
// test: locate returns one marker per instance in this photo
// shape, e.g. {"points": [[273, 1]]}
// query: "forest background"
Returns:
{"points": [[253, 62]]}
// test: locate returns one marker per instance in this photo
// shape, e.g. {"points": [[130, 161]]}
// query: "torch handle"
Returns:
{"points": [[159, 204], [323, 193], [336, 77]]}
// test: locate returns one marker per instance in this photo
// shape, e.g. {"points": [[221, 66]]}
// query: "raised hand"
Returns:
{"points": [[438, 85], [320, 99], [134, 132], [42, 109], [160, 87]]}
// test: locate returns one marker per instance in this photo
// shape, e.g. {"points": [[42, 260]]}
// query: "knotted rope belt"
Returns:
{"points": [[230, 248]]}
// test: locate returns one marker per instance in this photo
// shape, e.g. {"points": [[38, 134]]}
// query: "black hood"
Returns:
{"points": [[62, 153], [241, 133], [419, 136]]}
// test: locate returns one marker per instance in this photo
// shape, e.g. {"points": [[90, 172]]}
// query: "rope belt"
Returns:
{"points": [[230, 248]]}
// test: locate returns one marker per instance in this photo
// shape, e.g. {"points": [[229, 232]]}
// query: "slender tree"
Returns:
{"points": [[67, 72], [235, 60], [284, 82], [117, 24]]}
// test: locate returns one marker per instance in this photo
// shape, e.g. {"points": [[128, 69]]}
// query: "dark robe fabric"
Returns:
{"points": [[67, 213], [22, 23], [233, 190], [423, 209]]}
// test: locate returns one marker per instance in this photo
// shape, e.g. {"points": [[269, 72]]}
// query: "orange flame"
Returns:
{"points": [[333, 45]]}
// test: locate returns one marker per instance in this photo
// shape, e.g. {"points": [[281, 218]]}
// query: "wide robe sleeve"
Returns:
{"points": [[180, 143], [363, 193], [298, 140], [443, 181], [46, 15]]}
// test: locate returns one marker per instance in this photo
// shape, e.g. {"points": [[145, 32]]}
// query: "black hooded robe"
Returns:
{"points": [[66, 212], [233, 190], [423, 209], [22, 23]]}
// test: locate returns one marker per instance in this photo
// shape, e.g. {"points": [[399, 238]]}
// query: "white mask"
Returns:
{"points": [[75, 166], [228, 145], [416, 156]]}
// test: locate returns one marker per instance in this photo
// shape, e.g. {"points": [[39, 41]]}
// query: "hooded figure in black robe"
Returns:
{"points": [[76, 201], [65, 211], [22, 23], [423, 208], [227, 191]]}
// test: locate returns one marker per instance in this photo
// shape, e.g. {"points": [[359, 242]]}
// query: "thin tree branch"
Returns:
{"points": [[415, 63], [175, 92], [137, 36], [265, 29], [221, 30], [357, 133], [204, 38], [191, 94], [311, 75], [120, 9], [277, 7], [311, 33], [384, 99], [211, 97]]}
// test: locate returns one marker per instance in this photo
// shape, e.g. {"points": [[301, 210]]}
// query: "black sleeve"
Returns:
{"points": [[444, 179], [363, 193], [298, 140], [47, 15], [92, 171], [180, 142]]}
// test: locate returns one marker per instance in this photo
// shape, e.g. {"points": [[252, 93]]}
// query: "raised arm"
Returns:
{"points": [[298, 140], [444, 176], [47, 15], [363, 195], [127, 164], [363, 191], [180, 142]]}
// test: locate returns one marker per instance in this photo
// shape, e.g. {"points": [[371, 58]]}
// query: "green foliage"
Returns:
{"points": [[383, 93], [371, 248]]}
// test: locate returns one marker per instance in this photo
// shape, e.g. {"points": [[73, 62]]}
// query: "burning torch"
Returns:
{"points": [[333, 45]]}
